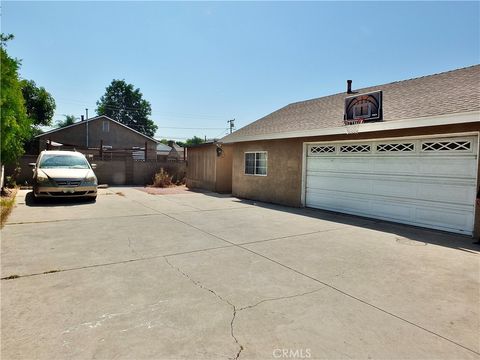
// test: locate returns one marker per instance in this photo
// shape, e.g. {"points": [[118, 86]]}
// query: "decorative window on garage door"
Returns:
{"points": [[355, 148], [322, 149], [446, 145], [395, 147]]}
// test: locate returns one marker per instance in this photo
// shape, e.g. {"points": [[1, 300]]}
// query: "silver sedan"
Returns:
{"points": [[63, 174]]}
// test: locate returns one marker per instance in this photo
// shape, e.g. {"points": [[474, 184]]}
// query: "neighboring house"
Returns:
{"points": [[177, 153], [163, 151], [414, 160], [89, 134]]}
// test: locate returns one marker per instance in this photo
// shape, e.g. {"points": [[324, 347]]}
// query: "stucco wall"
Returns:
{"points": [[282, 185], [118, 137]]}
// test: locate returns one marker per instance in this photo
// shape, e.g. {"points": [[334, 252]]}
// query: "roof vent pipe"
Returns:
{"points": [[349, 87], [82, 118]]}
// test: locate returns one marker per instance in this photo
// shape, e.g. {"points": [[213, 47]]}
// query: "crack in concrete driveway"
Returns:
{"points": [[235, 309]]}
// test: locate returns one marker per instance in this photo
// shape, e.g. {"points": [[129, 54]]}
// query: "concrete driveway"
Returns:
{"points": [[204, 276]]}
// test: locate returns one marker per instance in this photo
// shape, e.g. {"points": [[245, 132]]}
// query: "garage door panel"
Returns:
{"points": [[347, 164], [340, 183], [455, 194], [444, 218], [392, 210], [434, 188], [457, 166], [362, 207], [419, 190], [421, 165], [404, 187], [336, 202], [395, 165]]}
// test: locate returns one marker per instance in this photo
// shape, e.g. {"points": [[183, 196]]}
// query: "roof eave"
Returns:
{"points": [[448, 119]]}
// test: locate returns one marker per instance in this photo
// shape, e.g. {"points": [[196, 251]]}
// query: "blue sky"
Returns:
{"points": [[200, 64]]}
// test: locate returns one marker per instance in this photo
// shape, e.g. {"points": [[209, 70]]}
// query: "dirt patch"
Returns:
{"points": [[7, 202]]}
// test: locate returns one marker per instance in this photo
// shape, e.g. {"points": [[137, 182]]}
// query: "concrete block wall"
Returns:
{"points": [[115, 172]]}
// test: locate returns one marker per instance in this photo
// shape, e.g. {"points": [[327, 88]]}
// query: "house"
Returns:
{"points": [[177, 153], [163, 151], [100, 132], [413, 160]]}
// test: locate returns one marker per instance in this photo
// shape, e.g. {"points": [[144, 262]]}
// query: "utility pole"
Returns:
{"points": [[86, 113], [232, 124]]}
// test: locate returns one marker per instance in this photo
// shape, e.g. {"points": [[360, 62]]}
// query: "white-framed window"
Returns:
{"points": [[256, 163], [105, 126]]}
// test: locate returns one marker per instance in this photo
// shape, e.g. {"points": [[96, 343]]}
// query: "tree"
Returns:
{"points": [[194, 141], [39, 104], [69, 120], [15, 124], [124, 103]]}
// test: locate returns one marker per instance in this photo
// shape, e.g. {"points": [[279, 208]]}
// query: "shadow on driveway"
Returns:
{"points": [[407, 235], [30, 200]]}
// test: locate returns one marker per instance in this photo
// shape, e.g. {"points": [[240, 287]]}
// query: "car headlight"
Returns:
{"points": [[41, 179], [91, 180]]}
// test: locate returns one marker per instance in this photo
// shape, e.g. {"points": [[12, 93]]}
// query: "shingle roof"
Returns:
{"points": [[162, 148], [94, 119], [455, 91]]}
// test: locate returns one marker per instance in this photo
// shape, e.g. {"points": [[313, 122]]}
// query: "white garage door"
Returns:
{"points": [[424, 182]]}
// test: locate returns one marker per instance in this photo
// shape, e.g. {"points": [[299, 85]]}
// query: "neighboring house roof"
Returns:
{"points": [[177, 151], [163, 149], [456, 91], [178, 148], [94, 119]]}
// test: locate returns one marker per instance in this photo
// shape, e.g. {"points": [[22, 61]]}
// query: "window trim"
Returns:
{"points": [[255, 167]]}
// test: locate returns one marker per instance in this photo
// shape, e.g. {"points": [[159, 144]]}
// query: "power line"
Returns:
{"points": [[173, 127], [168, 113], [189, 128], [222, 133]]}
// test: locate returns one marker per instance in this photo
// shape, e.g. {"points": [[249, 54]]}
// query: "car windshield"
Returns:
{"points": [[50, 161]]}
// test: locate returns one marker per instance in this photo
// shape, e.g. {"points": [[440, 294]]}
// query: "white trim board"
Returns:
{"points": [[451, 119]]}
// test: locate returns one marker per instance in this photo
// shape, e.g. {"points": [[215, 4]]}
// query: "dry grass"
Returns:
{"points": [[7, 201], [162, 179]]}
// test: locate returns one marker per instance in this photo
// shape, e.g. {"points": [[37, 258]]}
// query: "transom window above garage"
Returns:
{"points": [[396, 147], [456, 146], [354, 148], [435, 146], [256, 163], [322, 149]]}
